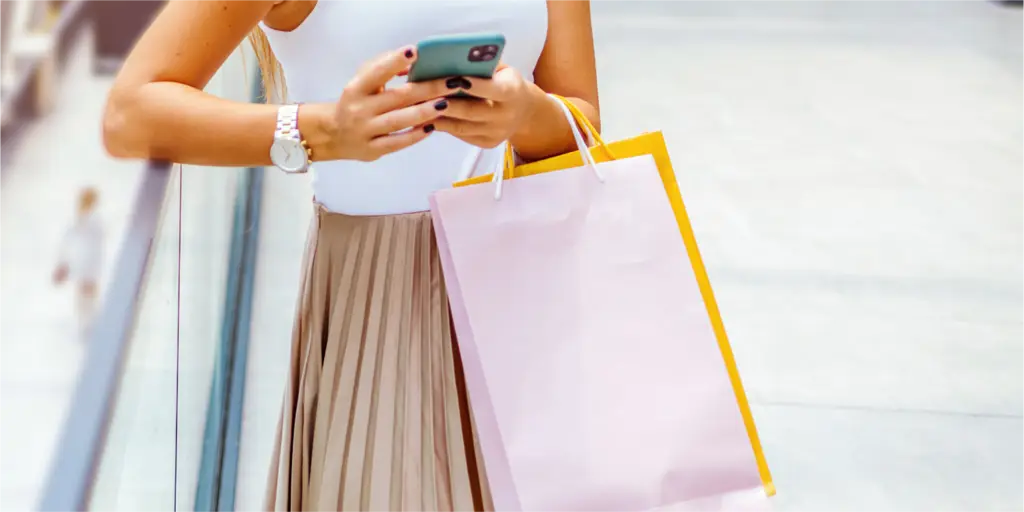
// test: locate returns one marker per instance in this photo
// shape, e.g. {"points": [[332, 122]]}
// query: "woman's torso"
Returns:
{"points": [[339, 36]]}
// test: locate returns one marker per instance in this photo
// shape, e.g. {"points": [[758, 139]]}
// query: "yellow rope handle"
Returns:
{"points": [[581, 119], [510, 164]]}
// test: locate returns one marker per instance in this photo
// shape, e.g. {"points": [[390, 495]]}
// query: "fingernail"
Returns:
{"points": [[408, 53], [441, 105], [428, 128], [456, 82], [466, 84]]}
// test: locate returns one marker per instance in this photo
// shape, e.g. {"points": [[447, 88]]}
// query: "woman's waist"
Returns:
{"points": [[385, 193], [397, 183]]}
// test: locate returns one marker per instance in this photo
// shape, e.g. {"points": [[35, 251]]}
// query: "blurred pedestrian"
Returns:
{"points": [[81, 258]]}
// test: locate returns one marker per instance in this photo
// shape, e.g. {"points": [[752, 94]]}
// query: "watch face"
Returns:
{"points": [[289, 155]]}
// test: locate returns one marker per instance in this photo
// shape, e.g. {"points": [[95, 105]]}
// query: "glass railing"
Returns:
{"points": [[88, 435], [136, 430], [155, 446]]}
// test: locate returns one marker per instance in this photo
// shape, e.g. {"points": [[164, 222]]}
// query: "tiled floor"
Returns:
{"points": [[854, 174]]}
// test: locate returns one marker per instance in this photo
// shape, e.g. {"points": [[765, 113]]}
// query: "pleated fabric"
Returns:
{"points": [[375, 413]]}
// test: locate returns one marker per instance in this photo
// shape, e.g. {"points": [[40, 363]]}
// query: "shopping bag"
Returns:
{"points": [[596, 364]]}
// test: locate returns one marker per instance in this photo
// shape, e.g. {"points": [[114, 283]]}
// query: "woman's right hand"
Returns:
{"points": [[370, 121]]}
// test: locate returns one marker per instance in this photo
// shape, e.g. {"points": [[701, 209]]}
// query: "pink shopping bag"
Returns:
{"points": [[593, 372]]}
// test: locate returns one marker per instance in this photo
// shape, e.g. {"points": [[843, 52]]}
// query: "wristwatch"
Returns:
{"points": [[289, 152]]}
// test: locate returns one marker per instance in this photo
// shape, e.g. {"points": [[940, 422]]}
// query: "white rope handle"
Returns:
{"points": [[581, 144], [470, 163]]}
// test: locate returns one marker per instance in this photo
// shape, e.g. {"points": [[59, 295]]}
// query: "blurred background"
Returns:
{"points": [[852, 169]]}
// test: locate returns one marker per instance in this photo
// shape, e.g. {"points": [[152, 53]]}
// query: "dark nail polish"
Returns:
{"points": [[466, 84], [456, 82], [428, 128], [408, 53], [441, 105]]}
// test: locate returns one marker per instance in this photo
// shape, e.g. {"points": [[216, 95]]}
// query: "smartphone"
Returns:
{"points": [[445, 56]]}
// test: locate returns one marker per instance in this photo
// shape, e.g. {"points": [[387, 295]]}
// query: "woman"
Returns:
{"points": [[375, 416]]}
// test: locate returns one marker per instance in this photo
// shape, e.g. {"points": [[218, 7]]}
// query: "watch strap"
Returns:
{"points": [[288, 129], [287, 123]]}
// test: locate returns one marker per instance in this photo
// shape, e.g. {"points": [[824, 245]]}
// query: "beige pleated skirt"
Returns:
{"points": [[375, 414]]}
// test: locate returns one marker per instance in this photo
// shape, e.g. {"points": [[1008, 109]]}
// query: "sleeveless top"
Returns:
{"points": [[324, 52]]}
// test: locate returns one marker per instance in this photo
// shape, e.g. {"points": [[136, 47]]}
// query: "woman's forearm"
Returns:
{"points": [[546, 132], [175, 122]]}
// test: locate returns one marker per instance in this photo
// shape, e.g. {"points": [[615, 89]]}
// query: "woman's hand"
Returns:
{"points": [[496, 111], [369, 121]]}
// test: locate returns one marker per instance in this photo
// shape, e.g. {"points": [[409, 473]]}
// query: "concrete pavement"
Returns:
{"points": [[853, 174]]}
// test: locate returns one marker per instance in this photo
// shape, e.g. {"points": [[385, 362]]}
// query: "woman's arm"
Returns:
{"points": [[566, 67], [157, 108]]}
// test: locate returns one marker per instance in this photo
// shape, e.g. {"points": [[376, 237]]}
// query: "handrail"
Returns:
{"points": [[83, 437]]}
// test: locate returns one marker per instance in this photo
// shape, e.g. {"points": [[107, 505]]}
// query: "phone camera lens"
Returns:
{"points": [[483, 53]]}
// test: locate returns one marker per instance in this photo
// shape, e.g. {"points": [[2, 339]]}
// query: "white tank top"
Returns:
{"points": [[332, 43]]}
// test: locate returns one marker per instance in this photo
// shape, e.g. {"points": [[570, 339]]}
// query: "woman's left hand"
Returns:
{"points": [[495, 112]]}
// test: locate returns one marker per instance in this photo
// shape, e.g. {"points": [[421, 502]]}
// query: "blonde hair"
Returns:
{"points": [[274, 88]]}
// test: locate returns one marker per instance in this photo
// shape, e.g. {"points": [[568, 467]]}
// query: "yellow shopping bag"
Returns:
{"points": [[653, 144]]}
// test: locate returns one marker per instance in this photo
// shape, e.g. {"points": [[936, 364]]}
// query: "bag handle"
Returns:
{"points": [[472, 161], [593, 135], [583, 121], [576, 119]]}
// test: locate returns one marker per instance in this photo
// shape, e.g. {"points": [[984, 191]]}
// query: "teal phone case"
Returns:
{"points": [[449, 55]]}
